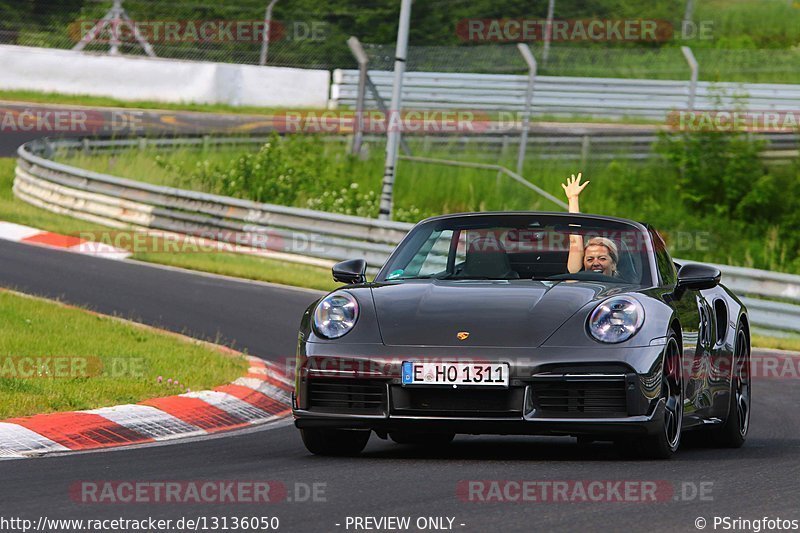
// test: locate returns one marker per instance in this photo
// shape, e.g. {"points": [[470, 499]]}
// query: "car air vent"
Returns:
{"points": [[445, 402], [593, 397], [347, 396]]}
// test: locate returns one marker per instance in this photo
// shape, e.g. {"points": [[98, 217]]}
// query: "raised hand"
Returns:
{"points": [[573, 187]]}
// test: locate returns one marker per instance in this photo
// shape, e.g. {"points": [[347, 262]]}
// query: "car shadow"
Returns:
{"points": [[555, 449], [498, 449]]}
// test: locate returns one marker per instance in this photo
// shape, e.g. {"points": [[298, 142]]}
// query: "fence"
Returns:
{"points": [[120, 202], [566, 96], [153, 79]]}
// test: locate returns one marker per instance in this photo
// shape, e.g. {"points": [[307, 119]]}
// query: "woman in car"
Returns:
{"points": [[598, 254]]}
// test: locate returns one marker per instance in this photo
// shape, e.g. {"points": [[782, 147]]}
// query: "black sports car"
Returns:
{"points": [[475, 325]]}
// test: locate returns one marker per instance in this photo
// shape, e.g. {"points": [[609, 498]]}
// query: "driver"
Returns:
{"points": [[599, 254]]}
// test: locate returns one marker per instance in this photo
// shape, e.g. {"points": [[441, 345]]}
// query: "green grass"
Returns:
{"points": [[245, 266], [667, 63], [103, 101], [748, 24], [305, 173], [111, 362], [437, 189], [52, 98], [780, 343], [425, 189], [14, 210]]}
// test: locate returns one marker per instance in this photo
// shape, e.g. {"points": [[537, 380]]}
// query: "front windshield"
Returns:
{"points": [[518, 246]]}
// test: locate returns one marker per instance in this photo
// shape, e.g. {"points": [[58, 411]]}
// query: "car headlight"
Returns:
{"points": [[616, 319], [335, 315]]}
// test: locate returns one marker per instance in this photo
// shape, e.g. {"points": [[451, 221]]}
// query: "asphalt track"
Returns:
{"points": [[759, 480], [121, 122]]}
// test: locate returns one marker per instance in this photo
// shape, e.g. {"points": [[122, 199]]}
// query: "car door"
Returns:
{"points": [[720, 360], [687, 307]]}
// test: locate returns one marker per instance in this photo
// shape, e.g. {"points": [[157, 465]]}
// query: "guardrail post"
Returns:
{"points": [[358, 125], [586, 144], [687, 53], [548, 32], [526, 114], [262, 58], [393, 121]]}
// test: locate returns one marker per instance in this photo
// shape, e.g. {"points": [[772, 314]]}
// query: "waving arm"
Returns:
{"points": [[573, 188]]}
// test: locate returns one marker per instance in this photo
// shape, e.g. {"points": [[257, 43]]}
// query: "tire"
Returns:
{"points": [[733, 432], [422, 439], [335, 442], [666, 442]]}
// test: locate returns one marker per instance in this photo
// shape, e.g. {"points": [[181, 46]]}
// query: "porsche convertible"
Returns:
{"points": [[475, 325]]}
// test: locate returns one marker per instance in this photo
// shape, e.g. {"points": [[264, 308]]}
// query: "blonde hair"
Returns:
{"points": [[608, 243]]}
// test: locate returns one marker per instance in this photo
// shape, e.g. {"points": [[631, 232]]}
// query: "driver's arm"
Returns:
{"points": [[573, 188]]}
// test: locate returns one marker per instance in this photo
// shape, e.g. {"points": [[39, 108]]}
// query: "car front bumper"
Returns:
{"points": [[551, 392], [569, 405]]}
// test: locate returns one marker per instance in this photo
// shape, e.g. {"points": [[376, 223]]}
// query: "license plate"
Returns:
{"points": [[456, 374]]}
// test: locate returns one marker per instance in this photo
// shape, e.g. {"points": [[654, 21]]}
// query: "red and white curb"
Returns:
{"points": [[28, 235], [262, 396]]}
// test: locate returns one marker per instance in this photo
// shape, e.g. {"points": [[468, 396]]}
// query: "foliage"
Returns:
{"points": [[288, 173], [712, 195], [769, 30], [714, 169]]}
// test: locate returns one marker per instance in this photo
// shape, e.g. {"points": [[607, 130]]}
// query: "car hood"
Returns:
{"points": [[520, 313]]}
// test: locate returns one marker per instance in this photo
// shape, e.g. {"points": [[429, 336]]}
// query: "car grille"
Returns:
{"points": [[581, 397], [347, 396], [446, 402]]}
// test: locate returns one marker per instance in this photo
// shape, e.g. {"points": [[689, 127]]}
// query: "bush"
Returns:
{"points": [[714, 171], [301, 171]]}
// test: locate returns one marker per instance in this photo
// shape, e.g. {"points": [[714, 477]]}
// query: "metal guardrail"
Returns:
{"points": [[556, 95], [568, 142], [772, 298], [119, 203]]}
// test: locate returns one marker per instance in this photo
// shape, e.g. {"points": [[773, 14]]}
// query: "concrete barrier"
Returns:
{"points": [[160, 80]]}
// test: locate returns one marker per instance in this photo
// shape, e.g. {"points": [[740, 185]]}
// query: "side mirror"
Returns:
{"points": [[352, 271], [698, 277]]}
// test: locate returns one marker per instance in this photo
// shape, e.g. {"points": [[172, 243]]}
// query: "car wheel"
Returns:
{"points": [[422, 439], [733, 432], [667, 441], [334, 441]]}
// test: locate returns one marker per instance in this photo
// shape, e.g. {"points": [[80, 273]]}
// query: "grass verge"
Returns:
{"points": [[14, 210], [52, 98], [452, 183], [777, 343], [39, 97], [703, 218], [58, 358]]}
